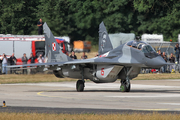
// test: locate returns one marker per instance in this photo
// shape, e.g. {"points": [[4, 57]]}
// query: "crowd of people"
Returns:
{"points": [[73, 56], [172, 59], [12, 61]]}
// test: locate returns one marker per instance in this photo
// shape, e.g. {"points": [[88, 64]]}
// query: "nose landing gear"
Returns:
{"points": [[80, 83], [125, 83]]}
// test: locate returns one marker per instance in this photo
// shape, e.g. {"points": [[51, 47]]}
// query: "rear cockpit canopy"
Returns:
{"points": [[136, 44]]}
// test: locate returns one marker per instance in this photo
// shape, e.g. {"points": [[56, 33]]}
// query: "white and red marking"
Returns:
{"points": [[102, 71], [104, 55], [54, 46]]}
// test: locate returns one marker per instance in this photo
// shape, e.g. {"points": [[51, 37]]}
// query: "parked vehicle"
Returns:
{"points": [[82, 46]]}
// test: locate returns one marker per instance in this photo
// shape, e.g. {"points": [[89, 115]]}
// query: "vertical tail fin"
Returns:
{"points": [[53, 52], [105, 44]]}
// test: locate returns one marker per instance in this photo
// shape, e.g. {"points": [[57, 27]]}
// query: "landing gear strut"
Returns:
{"points": [[80, 83]]}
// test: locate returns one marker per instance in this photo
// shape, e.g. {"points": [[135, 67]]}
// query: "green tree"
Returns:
{"points": [[18, 17], [159, 17]]}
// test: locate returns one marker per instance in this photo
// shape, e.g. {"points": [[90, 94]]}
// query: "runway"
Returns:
{"points": [[61, 97]]}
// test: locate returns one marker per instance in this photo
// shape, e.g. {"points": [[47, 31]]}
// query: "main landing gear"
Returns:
{"points": [[80, 83], [125, 83], [125, 86]]}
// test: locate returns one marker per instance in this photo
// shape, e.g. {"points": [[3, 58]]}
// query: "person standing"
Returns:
{"points": [[12, 61], [165, 58], [40, 27], [40, 59], [177, 50], [172, 60], [32, 59], [24, 60], [84, 56], [159, 53], [160, 69], [4, 63], [73, 56]]}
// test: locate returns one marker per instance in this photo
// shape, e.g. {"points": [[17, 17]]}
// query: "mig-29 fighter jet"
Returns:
{"points": [[123, 62]]}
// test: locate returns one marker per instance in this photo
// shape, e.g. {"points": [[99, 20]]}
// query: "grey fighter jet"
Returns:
{"points": [[123, 62]]}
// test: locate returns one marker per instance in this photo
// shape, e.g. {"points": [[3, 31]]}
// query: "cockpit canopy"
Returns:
{"points": [[146, 48], [136, 44]]}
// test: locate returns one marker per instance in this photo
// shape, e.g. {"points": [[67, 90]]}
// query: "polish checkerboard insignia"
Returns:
{"points": [[54, 46]]}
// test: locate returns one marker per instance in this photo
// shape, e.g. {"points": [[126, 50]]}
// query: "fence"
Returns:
{"points": [[167, 47]]}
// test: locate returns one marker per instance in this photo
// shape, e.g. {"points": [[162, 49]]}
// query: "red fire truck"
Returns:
{"points": [[21, 44]]}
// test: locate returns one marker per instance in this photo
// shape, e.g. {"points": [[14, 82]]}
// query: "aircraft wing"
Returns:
{"points": [[80, 62], [37, 64], [97, 60]]}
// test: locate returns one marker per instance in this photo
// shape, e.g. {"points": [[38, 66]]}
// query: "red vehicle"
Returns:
{"points": [[28, 45], [38, 47]]}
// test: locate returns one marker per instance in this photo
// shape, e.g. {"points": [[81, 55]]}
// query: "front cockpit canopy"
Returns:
{"points": [[144, 47], [147, 49]]}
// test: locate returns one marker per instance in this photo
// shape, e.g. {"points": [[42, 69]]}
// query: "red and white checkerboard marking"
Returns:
{"points": [[54, 46]]}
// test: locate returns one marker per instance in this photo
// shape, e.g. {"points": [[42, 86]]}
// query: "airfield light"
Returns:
{"points": [[4, 104]]}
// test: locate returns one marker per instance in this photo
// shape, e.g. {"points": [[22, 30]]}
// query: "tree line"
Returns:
{"points": [[80, 19]]}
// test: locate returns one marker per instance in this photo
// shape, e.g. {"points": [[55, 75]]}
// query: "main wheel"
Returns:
{"points": [[80, 86], [128, 88], [123, 88]]}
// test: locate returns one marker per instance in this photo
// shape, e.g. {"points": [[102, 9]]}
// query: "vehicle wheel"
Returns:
{"points": [[80, 86], [123, 88]]}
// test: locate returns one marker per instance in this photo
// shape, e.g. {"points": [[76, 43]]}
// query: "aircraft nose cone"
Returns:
{"points": [[156, 62], [159, 61]]}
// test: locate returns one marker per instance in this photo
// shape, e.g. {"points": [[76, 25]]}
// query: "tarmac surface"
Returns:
{"points": [[145, 96]]}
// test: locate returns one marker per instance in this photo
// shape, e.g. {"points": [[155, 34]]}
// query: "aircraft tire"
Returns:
{"points": [[80, 86], [123, 88], [129, 88]]}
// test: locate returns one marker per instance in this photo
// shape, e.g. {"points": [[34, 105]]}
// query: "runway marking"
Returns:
{"points": [[167, 109], [40, 94], [79, 98], [154, 109], [170, 103], [90, 85], [142, 96]]}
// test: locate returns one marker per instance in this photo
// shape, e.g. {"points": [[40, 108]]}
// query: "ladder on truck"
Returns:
{"points": [[9, 37]]}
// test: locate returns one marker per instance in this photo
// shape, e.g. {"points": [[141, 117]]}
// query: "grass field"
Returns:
{"points": [[13, 78], [44, 116]]}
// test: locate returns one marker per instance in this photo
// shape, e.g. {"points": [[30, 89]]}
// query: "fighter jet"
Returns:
{"points": [[123, 62]]}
